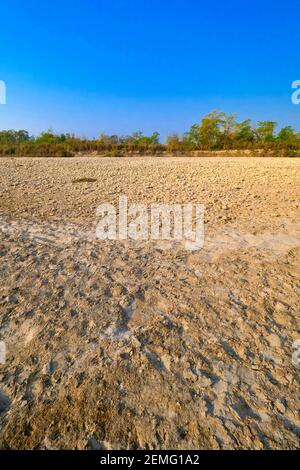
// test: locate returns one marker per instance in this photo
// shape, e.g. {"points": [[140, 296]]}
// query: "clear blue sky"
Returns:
{"points": [[116, 66]]}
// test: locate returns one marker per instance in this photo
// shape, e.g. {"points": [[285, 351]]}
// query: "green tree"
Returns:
{"points": [[14, 137], [210, 130], [140, 139], [192, 137], [265, 131], [244, 134], [154, 138], [228, 125], [287, 134], [49, 137]]}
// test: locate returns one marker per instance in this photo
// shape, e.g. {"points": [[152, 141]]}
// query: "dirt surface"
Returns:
{"points": [[140, 345]]}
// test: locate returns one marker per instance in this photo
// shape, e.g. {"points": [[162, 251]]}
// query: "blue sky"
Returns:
{"points": [[117, 66]]}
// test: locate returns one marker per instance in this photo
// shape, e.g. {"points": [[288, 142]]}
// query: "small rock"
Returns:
{"points": [[204, 381], [280, 405], [49, 368], [12, 299], [73, 313], [280, 307], [274, 341], [118, 291]]}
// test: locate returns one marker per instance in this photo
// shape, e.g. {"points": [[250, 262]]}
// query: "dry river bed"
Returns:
{"points": [[145, 345]]}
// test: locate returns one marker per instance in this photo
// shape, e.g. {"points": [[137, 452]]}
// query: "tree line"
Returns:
{"points": [[221, 131], [216, 131]]}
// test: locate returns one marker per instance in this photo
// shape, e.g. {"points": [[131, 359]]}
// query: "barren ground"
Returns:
{"points": [[141, 345]]}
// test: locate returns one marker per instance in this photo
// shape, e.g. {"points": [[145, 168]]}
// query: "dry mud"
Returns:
{"points": [[143, 345]]}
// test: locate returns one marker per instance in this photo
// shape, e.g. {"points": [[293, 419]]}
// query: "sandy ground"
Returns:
{"points": [[131, 345]]}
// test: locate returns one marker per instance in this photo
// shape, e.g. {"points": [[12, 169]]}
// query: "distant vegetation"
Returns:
{"points": [[220, 131], [217, 131]]}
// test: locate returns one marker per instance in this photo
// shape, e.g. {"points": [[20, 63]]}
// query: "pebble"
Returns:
{"points": [[279, 405]]}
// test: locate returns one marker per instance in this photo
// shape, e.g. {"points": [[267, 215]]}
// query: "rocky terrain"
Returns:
{"points": [[144, 345]]}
